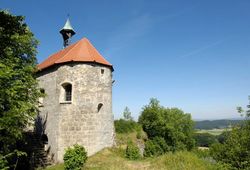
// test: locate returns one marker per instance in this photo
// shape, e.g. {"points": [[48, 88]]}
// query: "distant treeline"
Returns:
{"points": [[215, 124]]}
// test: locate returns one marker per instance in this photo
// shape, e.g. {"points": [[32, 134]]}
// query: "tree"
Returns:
{"points": [[18, 92], [172, 124], [205, 139], [223, 136], [127, 114], [235, 151]]}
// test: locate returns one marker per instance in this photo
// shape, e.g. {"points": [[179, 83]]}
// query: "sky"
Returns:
{"points": [[194, 55]]}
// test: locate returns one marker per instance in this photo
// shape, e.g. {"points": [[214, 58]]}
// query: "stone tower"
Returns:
{"points": [[77, 107]]}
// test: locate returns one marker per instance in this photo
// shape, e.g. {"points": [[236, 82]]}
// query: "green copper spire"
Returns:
{"points": [[67, 32]]}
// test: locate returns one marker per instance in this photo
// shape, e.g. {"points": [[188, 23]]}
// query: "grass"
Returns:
{"points": [[55, 167], [113, 159]]}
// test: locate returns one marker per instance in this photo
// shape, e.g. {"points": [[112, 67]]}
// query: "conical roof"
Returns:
{"points": [[67, 27], [81, 51]]}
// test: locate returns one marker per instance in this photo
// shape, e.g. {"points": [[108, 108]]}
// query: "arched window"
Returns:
{"points": [[99, 107], [67, 91], [42, 91]]}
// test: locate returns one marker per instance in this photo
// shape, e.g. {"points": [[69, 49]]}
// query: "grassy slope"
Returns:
{"points": [[110, 159], [113, 159]]}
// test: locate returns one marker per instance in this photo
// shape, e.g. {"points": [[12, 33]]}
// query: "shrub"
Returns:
{"points": [[74, 158], [155, 147], [235, 151], [3, 163], [223, 136], [125, 126], [132, 151], [150, 149], [204, 139], [172, 124], [139, 134]]}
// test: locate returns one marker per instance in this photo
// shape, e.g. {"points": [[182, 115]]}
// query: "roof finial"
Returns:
{"points": [[67, 32]]}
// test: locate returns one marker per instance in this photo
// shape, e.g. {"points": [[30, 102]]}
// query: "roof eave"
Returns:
{"points": [[61, 63]]}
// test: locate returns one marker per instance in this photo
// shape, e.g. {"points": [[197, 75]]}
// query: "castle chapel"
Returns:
{"points": [[77, 106]]}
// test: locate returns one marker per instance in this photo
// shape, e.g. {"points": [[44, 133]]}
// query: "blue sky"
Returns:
{"points": [[194, 55]]}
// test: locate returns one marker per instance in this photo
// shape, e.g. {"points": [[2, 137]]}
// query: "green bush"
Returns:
{"points": [[125, 126], [3, 163], [172, 124], [223, 136], [139, 135], [205, 139], [132, 151], [235, 151], [155, 147], [74, 158]]}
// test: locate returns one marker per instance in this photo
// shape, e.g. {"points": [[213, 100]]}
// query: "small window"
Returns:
{"points": [[102, 71], [99, 107], [67, 91], [42, 91]]}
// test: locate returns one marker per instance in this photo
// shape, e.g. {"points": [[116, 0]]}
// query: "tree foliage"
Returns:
{"points": [[127, 114], [223, 136], [132, 151], [235, 151], [205, 139], [18, 92], [75, 157], [172, 124], [155, 147], [126, 126]]}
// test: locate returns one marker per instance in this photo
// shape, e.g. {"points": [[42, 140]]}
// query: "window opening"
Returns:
{"points": [[102, 71], [99, 106], [67, 92]]}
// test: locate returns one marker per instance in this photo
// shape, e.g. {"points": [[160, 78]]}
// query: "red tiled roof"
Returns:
{"points": [[81, 51]]}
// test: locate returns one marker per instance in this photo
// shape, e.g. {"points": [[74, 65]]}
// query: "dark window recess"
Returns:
{"points": [[68, 92], [44, 139], [102, 71], [99, 106], [42, 91]]}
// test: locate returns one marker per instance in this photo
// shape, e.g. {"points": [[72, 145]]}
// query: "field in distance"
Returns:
{"points": [[214, 132], [216, 124]]}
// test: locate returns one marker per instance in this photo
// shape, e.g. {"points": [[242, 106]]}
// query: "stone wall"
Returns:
{"points": [[88, 118]]}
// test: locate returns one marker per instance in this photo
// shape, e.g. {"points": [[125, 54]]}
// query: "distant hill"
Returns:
{"points": [[215, 124]]}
